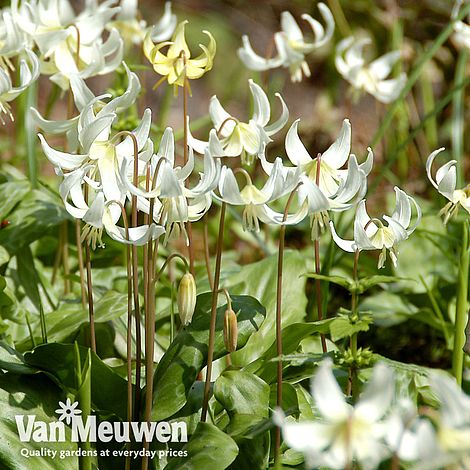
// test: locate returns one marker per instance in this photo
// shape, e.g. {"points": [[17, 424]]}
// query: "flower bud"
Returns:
{"points": [[186, 298], [230, 330]]}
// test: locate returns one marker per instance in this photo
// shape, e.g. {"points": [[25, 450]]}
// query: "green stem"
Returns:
{"points": [[430, 126], [210, 348], [458, 106], [341, 21], [353, 339], [461, 307], [31, 101], [415, 73]]}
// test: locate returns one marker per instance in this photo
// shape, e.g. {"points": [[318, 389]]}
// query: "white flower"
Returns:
{"points": [[344, 434], [83, 96], [291, 45], [254, 200], [29, 72], [371, 77], [133, 29], [445, 183], [373, 234], [60, 35], [12, 39], [240, 138], [444, 442], [325, 184], [461, 35], [175, 203]]}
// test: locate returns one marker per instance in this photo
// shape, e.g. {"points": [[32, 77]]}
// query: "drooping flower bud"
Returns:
{"points": [[186, 298], [230, 330]]}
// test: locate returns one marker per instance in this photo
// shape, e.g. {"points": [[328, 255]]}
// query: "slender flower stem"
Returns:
{"points": [[129, 326], [316, 245], [215, 289], [65, 256], [353, 340], [91, 313], [81, 267], [458, 105], [461, 307], [185, 160], [206, 252], [280, 262]]}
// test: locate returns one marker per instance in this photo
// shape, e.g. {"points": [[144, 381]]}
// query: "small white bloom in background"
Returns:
{"points": [[445, 183], [369, 77], [344, 434], [461, 36], [61, 35], [239, 138], [326, 185], [255, 201], [13, 40], [29, 72], [291, 45], [373, 234], [133, 29]]}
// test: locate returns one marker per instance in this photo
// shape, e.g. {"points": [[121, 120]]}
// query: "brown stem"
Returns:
{"points": [[280, 262], [318, 266], [207, 254], [210, 349], [80, 261]]}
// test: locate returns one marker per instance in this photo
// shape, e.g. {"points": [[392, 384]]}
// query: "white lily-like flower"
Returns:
{"points": [[326, 185], [70, 44], [12, 39], [82, 97], [29, 72], [133, 29], [461, 35], [369, 77], [343, 434], [445, 183], [240, 138], [291, 45], [255, 201], [175, 203], [373, 234], [441, 438]]}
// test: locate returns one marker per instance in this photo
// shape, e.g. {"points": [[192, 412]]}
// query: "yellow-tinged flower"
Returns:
{"points": [[177, 65]]}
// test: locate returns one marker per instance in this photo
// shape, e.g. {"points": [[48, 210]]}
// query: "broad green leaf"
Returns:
{"points": [[372, 281], [338, 280], [243, 393], [11, 193], [30, 395], [12, 361], [4, 255], [187, 355], [38, 212], [208, 448], [109, 391], [259, 281], [343, 327], [290, 402]]}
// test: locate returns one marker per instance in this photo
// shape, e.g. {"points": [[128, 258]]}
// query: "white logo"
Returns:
{"points": [[89, 430]]}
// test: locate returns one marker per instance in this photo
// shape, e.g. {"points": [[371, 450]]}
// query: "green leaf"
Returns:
{"points": [[30, 395], [371, 281], [187, 355], [109, 390], [11, 193], [241, 392], [38, 212], [343, 327], [258, 280], [208, 448], [12, 361], [338, 280]]}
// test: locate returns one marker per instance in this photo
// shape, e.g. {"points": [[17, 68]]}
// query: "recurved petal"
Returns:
{"points": [[219, 116], [261, 108], [277, 125], [296, 152], [290, 27], [429, 163], [346, 245], [338, 152], [253, 61], [63, 160], [382, 67]]}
